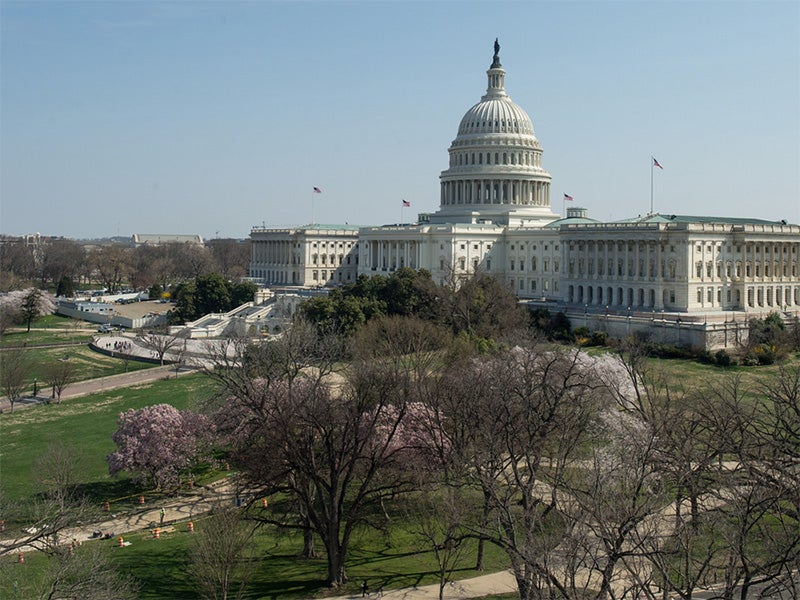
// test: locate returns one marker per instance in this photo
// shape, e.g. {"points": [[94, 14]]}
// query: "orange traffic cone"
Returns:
{"points": [[157, 533], [107, 506], [20, 558], [263, 503], [141, 499], [191, 527], [120, 542]]}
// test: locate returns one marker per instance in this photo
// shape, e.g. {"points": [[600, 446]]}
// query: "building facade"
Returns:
{"points": [[495, 216]]}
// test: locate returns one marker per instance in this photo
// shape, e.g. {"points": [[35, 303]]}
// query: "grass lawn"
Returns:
{"points": [[87, 363], [49, 329], [691, 374], [394, 559], [85, 424]]}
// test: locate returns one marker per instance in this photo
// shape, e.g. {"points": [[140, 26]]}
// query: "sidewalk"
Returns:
{"points": [[502, 582], [101, 384]]}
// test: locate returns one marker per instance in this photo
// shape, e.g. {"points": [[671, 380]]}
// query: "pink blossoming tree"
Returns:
{"points": [[158, 443]]}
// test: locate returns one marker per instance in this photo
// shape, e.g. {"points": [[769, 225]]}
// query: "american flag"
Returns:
{"points": [[568, 198], [657, 164], [406, 203], [317, 190]]}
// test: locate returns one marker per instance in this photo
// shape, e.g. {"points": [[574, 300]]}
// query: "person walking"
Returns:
{"points": [[163, 512]]}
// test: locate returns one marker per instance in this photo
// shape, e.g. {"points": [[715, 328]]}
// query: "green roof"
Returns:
{"points": [[571, 221], [659, 218]]}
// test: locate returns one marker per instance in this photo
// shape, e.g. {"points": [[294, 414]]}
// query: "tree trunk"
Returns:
{"points": [[308, 542], [479, 560], [336, 573]]}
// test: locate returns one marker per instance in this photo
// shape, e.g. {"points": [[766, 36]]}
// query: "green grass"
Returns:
{"points": [[87, 424], [49, 329], [88, 363], [391, 560]]}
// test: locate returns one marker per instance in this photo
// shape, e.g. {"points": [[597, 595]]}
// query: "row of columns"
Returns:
{"points": [[272, 251], [641, 262], [389, 255], [495, 191]]}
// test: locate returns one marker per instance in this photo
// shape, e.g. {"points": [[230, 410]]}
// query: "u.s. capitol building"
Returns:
{"points": [[495, 216]]}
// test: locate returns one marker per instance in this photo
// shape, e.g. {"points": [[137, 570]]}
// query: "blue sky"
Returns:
{"points": [[212, 117]]}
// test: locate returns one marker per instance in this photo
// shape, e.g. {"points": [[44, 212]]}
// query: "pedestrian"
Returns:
{"points": [[163, 512], [364, 588]]}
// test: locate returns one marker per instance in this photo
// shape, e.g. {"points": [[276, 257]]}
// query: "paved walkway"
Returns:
{"points": [[501, 582], [101, 384]]}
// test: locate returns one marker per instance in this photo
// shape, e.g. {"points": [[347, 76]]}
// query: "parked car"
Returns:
{"points": [[105, 328]]}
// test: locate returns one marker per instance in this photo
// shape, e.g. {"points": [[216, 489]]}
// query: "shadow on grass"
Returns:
{"points": [[108, 491]]}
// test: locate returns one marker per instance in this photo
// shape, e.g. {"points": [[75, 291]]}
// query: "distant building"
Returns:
{"points": [[157, 239], [495, 216]]}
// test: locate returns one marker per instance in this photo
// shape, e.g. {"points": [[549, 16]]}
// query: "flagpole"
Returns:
{"points": [[312, 207], [652, 162]]}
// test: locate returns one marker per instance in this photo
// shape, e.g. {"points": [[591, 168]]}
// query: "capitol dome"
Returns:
{"points": [[495, 173]]}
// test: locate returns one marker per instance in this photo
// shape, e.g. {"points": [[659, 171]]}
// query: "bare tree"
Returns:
{"points": [[83, 572], [335, 449], [231, 256], [113, 265], [160, 343], [62, 258], [14, 370], [516, 430], [437, 519], [40, 523], [59, 374], [222, 558]]}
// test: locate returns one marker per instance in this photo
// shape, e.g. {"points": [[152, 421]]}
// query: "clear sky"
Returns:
{"points": [[212, 117]]}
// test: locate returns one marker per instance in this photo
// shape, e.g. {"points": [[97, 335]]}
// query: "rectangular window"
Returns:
{"points": [[700, 295]]}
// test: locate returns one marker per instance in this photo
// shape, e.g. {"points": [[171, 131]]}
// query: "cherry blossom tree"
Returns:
{"points": [[158, 443]]}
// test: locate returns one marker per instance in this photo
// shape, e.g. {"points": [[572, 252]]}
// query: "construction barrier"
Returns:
{"points": [[141, 499], [20, 558], [191, 527], [263, 503], [107, 506], [120, 542], [157, 533]]}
